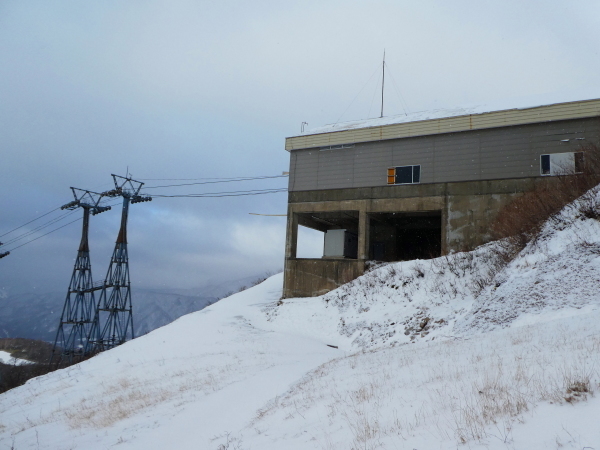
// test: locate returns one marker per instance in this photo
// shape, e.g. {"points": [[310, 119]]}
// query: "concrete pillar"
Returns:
{"points": [[291, 235], [363, 235]]}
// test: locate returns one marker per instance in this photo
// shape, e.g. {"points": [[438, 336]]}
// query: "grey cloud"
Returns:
{"points": [[190, 89]]}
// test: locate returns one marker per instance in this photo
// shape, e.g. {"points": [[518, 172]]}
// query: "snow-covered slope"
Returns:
{"points": [[430, 354]]}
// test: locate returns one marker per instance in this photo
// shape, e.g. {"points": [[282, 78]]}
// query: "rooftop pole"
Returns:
{"points": [[382, 82]]}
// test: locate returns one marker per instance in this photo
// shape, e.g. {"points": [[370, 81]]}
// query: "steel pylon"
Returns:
{"points": [[79, 309], [113, 324]]}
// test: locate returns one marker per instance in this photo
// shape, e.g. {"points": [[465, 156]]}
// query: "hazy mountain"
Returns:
{"points": [[36, 315]]}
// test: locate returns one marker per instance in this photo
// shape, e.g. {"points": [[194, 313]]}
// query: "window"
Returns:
{"points": [[561, 163], [404, 175], [336, 147]]}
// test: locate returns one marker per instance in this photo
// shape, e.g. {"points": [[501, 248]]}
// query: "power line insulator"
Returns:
{"points": [[140, 198], [100, 209], [2, 255], [71, 205]]}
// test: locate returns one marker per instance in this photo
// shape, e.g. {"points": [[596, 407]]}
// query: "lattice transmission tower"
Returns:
{"points": [[113, 324], [76, 320]]}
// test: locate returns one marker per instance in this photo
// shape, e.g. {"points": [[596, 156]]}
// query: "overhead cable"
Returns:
{"points": [[33, 220], [203, 178], [45, 234], [223, 181], [51, 231], [40, 227], [226, 194]]}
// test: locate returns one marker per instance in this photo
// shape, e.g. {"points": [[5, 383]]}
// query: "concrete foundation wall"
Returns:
{"points": [[312, 277], [467, 210]]}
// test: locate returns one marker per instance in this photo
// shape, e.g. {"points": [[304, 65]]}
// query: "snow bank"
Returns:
{"points": [[557, 275]]}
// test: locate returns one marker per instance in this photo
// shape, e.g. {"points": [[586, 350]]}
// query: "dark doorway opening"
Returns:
{"points": [[404, 236]]}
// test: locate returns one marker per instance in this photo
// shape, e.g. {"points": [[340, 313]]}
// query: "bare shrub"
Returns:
{"points": [[523, 218]]}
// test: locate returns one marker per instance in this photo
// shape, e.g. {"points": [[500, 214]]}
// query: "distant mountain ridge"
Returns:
{"points": [[36, 315]]}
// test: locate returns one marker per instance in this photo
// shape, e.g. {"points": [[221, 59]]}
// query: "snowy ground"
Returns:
{"points": [[7, 358], [452, 353]]}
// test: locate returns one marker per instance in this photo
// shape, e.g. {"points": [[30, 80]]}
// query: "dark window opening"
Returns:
{"points": [[405, 236], [404, 175], [545, 160], [578, 162], [416, 174]]}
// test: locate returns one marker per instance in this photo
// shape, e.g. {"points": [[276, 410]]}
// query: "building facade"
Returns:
{"points": [[403, 188]]}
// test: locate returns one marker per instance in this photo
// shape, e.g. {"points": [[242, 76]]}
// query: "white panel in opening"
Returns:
{"points": [[340, 244], [561, 163]]}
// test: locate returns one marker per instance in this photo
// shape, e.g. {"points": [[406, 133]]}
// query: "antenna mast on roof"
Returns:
{"points": [[382, 81]]}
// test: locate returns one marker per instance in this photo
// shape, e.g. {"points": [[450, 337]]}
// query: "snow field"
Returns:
{"points": [[182, 384], [482, 391], [464, 351]]}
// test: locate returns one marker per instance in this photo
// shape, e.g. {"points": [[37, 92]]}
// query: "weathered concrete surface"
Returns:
{"points": [[312, 277], [468, 209]]}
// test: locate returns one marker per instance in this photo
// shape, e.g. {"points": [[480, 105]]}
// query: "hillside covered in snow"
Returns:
{"points": [[473, 350]]}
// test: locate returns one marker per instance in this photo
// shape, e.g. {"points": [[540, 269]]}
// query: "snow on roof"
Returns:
{"points": [[402, 118], [443, 113]]}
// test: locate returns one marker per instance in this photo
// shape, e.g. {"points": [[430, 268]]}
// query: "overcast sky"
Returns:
{"points": [[196, 89]]}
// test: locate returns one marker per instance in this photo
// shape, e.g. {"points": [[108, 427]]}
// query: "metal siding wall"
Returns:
{"points": [[306, 169], [370, 158], [336, 168], [498, 153], [456, 157]]}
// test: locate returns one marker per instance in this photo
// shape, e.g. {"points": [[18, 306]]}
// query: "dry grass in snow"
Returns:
{"points": [[472, 391]]}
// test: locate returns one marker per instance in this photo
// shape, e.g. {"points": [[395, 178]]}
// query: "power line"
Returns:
{"points": [[51, 231], [226, 194], [202, 178], [46, 234], [40, 227], [223, 181], [200, 195], [33, 220]]}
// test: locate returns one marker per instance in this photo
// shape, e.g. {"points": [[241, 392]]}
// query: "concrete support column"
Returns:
{"points": [[363, 235], [291, 235]]}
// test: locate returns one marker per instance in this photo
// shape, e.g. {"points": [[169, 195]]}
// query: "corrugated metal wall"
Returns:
{"points": [[510, 152]]}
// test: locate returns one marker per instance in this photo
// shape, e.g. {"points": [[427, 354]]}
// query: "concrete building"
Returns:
{"points": [[421, 185]]}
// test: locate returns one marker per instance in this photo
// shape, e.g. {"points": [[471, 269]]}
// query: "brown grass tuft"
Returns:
{"points": [[523, 218]]}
